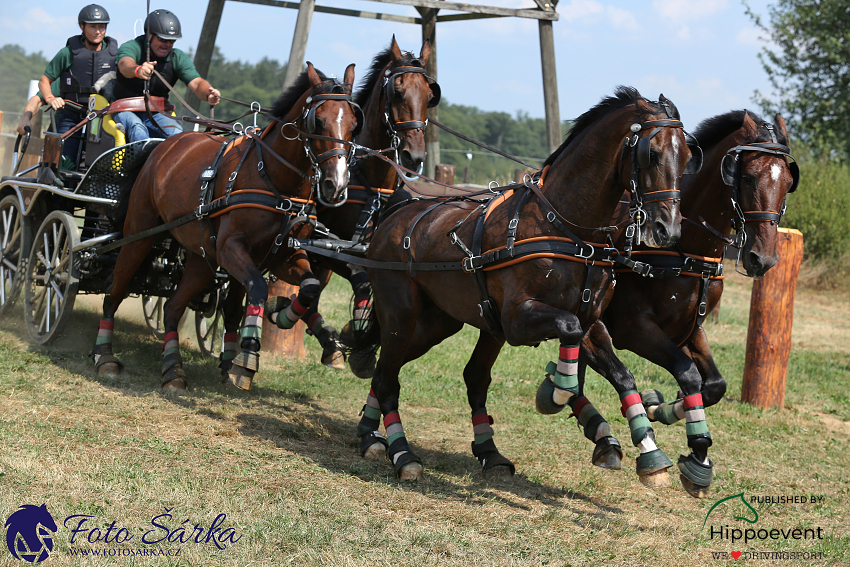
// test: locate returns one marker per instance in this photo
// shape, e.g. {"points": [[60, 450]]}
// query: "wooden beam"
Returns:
{"points": [[432, 134], [206, 46], [550, 85], [461, 17], [338, 11], [475, 8], [299, 42]]}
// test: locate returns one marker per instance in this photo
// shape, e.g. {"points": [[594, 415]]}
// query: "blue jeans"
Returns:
{"points": [[65, 120], [137, 125]]}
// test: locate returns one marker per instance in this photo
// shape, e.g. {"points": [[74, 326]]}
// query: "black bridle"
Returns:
{"points": [[388, 90]]}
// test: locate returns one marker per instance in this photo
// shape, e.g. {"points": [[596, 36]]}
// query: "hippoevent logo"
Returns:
{"points": [[738, 535], [29, 533]]}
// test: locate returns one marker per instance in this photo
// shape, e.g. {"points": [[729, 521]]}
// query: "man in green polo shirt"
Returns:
{"points": [[162, 29]]}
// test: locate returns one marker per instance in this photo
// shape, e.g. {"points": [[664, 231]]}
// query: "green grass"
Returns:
{"points": [[281, 460]]}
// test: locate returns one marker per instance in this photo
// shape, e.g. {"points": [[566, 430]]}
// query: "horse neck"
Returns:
{"points": [[584, 183], [283, 177], [706, 197], [377, 172]]}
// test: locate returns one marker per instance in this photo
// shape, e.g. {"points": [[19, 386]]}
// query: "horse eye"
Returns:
{"points": [[748, 179], [653, 157], [397, 96]]}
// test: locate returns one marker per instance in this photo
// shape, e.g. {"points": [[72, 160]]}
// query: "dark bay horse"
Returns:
{"points": [[395, 95], [514, 266], [743, 185], [271, 182]]}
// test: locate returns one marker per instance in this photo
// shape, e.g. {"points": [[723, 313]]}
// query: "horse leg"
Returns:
{"points": [[647, 340], [197, 273], [477, 376], [332, 351], [607, 453], [129, 260], [232, 311], [652, 463], [362, 362]]}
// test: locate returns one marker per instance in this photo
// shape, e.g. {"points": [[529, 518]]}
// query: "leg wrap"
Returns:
{"points": [[253, 327], [231, 347], [362, 308], [324, 333], [371, 412], [594, 425], [290, 314], [695, 424], [481, 427], [669, 413], [171, 352], [632, 409], [104, 332], [309, 290], [561, 382], [395, 437]]}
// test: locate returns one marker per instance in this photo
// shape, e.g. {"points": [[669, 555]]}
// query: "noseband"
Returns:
{"points": [[388, 87]]}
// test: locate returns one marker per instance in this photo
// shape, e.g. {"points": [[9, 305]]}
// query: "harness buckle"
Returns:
{"points": [[260, 165], [278, 240], [643, 269], [585, 295], [467, 266], [550, 216], [232, 176], [513, 224], [284, 206], [702, 309], [406, 243], [589, 254], [630, 231]]}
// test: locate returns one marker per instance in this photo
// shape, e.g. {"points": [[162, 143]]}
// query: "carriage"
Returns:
{"points": [[59, 230]]}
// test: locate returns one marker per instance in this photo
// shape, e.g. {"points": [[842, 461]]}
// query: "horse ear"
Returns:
{"points": [[425, 53], [313, 75], [779, 122], [396, 50], [751, 129], [348, 78]]}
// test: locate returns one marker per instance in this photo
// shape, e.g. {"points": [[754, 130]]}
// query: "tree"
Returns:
{"points": [[810, 70], [17, 69]]}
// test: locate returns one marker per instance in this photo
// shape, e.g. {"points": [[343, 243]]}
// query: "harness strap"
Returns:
{"points": [[406, 244]]}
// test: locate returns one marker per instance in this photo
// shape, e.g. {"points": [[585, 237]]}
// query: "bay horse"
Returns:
{"points": [[395, 95], [743, 186], [267, 185], [538, 279]]}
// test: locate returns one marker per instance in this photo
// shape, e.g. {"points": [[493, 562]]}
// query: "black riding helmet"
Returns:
{"points": [[163, 24], [93, 14]]}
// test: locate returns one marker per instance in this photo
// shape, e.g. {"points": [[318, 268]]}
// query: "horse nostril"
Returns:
{"points": [[661, 232], [328, 187]]}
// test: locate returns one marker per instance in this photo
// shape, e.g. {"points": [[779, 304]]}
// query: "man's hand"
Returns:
{"points": [[145, 70], [26, 121], [213, 96], [56, 102]]}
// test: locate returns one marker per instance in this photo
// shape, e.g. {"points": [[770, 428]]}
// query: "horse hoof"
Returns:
{"points": [[607, 454], [411, 471], [543, 400], [657, 479], [362, 363], [498, 472], [239, 378], [176, 385], [108, 365], [694, 490], [334, 359], [375, 451]]}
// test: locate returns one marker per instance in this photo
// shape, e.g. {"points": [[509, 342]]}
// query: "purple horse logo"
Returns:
{"points": [[29, 533]]}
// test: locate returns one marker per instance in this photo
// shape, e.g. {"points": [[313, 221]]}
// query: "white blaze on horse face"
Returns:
{"points": [[340, 172], [775, 172]]}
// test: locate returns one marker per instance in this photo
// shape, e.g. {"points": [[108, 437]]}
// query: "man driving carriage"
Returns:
{"points": [[135, 67], [81, 67]]}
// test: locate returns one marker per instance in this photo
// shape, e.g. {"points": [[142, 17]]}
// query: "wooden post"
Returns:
{"points": [[432, 134], [445, 173], [279, 342], [299, 42], [206, 46], [769, 334], [550, 85]]}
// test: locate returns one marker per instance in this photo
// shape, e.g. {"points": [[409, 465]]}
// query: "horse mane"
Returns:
{"points": [[290, 96], [375, 72], [623, 96], [712, 130]]}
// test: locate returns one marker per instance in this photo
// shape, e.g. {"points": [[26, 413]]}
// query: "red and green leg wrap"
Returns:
{"points": [[362, 308], [561, 382], [399, 451], [103, 344], [285, 312], [230, 347], [669, 413], [370, 423], [173, 376], [695, 424], [251, 335], [483, 447], [632, 409], [594, 425]]}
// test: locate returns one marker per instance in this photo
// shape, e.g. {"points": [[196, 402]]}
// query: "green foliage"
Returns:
{"points": [[819, 209], [810, 68], [523, 137], [17, 69]]}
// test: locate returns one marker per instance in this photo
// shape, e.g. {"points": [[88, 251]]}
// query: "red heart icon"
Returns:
{"points": [[736, 554]]}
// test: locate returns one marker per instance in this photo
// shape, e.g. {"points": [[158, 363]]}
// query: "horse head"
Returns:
{"points": [[330, 116], [660, 157], [759, 175]]}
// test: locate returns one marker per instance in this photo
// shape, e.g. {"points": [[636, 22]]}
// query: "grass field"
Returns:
{"points": [[281, 461]]}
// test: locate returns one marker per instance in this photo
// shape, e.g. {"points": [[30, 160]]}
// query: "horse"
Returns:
{"points": [[395, 95], [539, 280], [267, 194], [743, 187]]}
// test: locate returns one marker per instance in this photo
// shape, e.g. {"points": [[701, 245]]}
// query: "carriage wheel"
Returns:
{"points": [[53, 274], [210, 332], [152, 309], [15, 242]]}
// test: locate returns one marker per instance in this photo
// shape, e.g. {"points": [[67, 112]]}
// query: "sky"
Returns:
{"points": [[701, 54]]}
